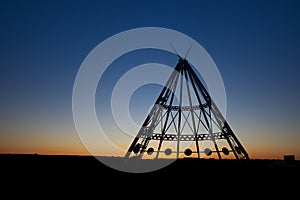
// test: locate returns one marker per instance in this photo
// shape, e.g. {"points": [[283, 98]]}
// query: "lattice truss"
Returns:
{"points": [[185, 121]]}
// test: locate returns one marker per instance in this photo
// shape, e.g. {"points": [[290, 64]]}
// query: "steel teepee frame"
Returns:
{"points": [[185, 116]]}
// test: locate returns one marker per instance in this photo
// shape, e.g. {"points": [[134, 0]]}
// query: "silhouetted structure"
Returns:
{"points": [[289, 158], [185, 118]]}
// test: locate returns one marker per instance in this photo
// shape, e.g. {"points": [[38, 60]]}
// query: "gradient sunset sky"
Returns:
{"points": [[255, 45]]}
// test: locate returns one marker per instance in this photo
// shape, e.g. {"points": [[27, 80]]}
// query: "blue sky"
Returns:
{"points": [[255, 45]]}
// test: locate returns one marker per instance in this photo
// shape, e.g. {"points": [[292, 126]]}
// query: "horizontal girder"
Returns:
{"points": [[189, 137], [186, 108]]}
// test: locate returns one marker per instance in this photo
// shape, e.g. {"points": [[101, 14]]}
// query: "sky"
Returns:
{"points": [[255, 45]]}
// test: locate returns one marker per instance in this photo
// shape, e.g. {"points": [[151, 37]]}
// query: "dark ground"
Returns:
{"points": [[35, 171]]}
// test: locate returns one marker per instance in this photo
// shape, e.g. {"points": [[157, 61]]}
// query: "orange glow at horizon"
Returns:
{"points": [[76, 148], [71, 145], [51, 150]]}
